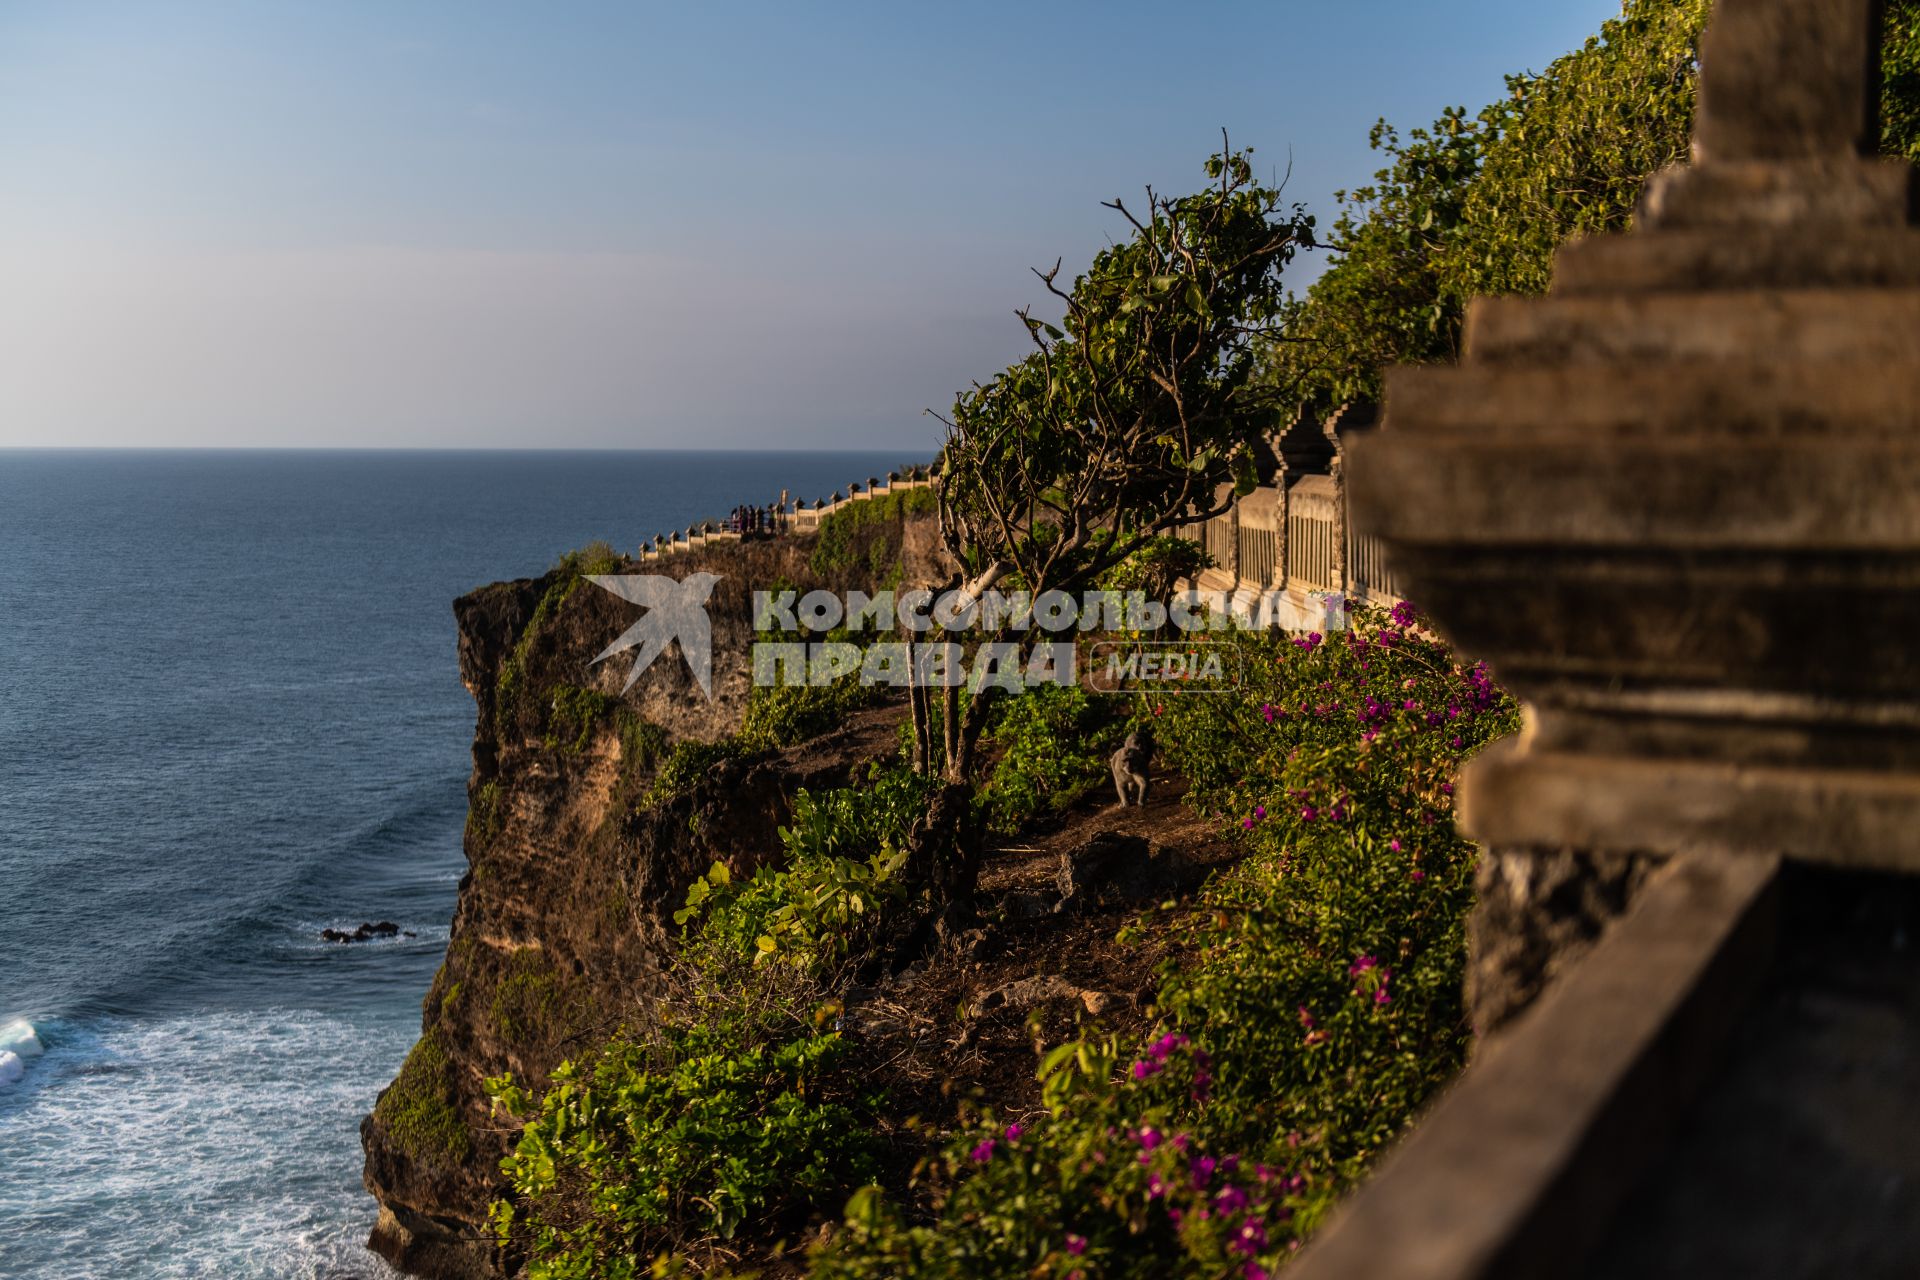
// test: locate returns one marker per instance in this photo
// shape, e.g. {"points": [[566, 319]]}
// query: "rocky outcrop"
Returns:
{"points": [[564, 914]]}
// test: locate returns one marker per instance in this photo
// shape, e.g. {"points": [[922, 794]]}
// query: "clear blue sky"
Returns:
{"points": [[700, 224]]}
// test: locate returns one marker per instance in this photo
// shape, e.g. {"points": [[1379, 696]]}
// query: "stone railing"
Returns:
{"points": [[786, 515], [1293, 533]]}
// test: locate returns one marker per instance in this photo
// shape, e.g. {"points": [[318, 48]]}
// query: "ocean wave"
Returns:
{"points": [[224, 1145]]}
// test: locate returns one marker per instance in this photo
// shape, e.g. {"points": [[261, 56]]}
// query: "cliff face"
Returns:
{"points": [[564, 915]]}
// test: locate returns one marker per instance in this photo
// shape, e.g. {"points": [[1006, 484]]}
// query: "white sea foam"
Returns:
{"points": [[223, 1146], [11, 1069], [19, 1037]]}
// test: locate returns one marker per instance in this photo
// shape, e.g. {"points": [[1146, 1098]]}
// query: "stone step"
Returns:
{"points": [[1766, 259], [1665, 329], [1730, 401], [1796, 494]]}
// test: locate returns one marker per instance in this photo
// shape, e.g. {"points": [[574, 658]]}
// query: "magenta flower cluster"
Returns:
{"points": [[1225, 1191], [1370, 975]]}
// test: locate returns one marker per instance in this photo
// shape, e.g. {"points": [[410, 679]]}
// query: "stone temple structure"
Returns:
{"points": [[1676, 504]]}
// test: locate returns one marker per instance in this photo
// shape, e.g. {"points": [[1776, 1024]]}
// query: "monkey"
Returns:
{"points": [[1131, 764]]}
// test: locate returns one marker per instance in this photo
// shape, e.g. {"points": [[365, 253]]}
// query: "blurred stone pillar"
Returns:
{"points": [[1676, 504]]}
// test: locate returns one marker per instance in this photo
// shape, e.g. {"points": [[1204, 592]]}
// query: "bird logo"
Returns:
{"points": [[676, 610]]}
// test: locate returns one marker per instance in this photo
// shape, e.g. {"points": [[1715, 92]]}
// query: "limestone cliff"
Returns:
{"points": [[573, 870]]}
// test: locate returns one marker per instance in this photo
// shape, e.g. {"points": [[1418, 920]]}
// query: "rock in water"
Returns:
{"points": [[11, 1068], [19, 1037], [367, 929]]}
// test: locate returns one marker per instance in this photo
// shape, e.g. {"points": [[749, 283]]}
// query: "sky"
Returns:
{"points": [[630, 225]]}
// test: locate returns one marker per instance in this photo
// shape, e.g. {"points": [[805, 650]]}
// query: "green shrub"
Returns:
{"points": [[781, 715], [649, 1149], [839, 891], [1054, 746], [686, 765], [1156, 566]]}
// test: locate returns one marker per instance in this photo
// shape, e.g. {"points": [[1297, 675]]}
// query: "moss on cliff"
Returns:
{"points": [[575, 567], [527, 999], [483, 812], [418, 1110]]}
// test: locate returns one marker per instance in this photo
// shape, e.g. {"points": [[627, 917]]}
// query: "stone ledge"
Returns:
{"points": [[1767, 258], [1735, 403], [1514, 795], [1789, 325], [1517, 1169]]}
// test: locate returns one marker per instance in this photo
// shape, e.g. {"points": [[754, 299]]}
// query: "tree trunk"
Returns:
{"points": [[922, 714]]}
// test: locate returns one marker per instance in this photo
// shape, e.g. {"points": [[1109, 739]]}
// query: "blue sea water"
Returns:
{"points": [[230, 717]]}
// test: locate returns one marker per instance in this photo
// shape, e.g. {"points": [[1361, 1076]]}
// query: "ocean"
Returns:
{"points": [[230, 717]]}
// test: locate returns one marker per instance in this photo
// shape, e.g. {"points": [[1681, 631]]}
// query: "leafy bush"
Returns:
{"points": [[1054, 747], [1316, 1007], [839, 890], [781, 715], [669, 1145], [687, 764], [1156, 566]]}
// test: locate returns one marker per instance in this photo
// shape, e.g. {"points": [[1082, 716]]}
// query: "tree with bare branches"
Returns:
{"points": [[1139, 412]]}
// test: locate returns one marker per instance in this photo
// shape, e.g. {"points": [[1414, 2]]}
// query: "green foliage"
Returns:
{"points": [[686, 765], [648, 1149], [1156, 565], [1476, 205], [527, 998], [511, 695], [1316, 1006], [839, 890], [738, 1106], [484, 816], [869, 534], [420, 1111], [1054, 744], [781, 715], [572, 715], [1900, 80], [1141, 403]]}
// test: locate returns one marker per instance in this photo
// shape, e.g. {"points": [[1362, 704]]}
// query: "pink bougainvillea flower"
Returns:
{"points": [[983, 1152], [1394, 845], [1076, 1245], [1149, 1138], [1013, 1132]]}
